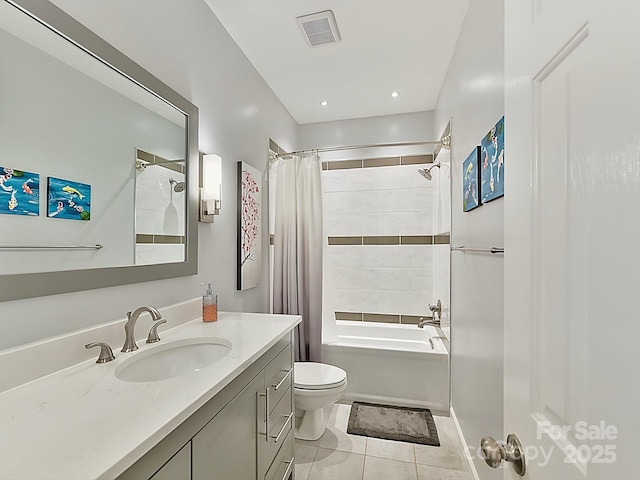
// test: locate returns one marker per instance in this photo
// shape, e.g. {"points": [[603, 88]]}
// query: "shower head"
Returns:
{"points": [[426, 172], [177, 186]]}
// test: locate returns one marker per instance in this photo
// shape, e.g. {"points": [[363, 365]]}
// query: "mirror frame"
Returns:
{"points": [[30, 285]]}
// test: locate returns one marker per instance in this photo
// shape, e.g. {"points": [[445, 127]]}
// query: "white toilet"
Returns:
{"points": [[315, 386]]}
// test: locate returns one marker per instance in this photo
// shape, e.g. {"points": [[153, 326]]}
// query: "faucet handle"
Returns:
{"points": [[436, 309], [106, 354], [153, 336]]}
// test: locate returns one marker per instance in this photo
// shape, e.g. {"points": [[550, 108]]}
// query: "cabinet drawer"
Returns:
{"points": [[278, 376], [281, 422], [283, 464]]}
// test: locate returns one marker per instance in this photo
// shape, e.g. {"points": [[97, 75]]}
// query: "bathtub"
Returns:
{"points": [[395, 364]]}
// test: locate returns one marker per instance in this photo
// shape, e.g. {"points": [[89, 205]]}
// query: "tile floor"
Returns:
{"points": [[339, 456]]}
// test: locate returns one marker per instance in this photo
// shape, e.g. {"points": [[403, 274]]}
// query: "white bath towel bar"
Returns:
{"points": [[51, 247], [492, 250]]}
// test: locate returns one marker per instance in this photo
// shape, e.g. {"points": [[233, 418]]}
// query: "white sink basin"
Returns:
{"points": [[173, 359]]}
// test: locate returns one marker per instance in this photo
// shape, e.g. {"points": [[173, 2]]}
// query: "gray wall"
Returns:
{"points": [[405, 127], [473, 96], [184, 45]]}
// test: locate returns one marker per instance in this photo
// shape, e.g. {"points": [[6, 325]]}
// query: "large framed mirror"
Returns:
{"points": [[98, 162]]}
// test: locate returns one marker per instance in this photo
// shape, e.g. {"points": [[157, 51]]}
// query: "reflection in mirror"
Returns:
{"points": [[85, 128], [160, 207], [95, 161]]}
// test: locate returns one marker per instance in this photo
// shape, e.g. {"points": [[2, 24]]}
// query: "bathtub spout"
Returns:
{"points": [[433, 321]]}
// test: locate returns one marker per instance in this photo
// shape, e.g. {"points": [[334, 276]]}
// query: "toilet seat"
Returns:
{"points": [[317, 376]]}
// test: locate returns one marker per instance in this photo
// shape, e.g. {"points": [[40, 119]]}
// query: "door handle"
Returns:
{"points": [[494, 453]]}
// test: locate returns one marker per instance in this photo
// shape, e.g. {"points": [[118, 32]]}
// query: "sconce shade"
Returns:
{"points": [[211, 190], [211, 177]]}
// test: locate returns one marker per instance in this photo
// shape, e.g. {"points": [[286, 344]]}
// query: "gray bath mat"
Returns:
{"points": [[406, 424]]}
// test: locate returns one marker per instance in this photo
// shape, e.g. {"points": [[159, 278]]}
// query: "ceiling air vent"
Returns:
{"points": [[319, 28]]}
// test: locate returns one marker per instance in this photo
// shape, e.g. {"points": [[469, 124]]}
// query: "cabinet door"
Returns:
{"points": [[178, 468], [225, 448]]}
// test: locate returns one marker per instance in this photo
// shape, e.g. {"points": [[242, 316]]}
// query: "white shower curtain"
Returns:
{"points": [[297, 272]]}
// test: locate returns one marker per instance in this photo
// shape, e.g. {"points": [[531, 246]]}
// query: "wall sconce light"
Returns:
{"points": [[211, 187]]}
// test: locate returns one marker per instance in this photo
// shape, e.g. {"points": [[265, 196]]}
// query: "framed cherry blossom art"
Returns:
{"points": [[249, 226]]}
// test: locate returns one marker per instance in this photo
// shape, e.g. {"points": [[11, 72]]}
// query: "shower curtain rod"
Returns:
{"points": [[444, 143]]}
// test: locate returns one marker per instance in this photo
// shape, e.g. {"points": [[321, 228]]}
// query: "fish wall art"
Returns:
{"points": [[492, 163], [68, 199], [471, 181], [19, 192]]}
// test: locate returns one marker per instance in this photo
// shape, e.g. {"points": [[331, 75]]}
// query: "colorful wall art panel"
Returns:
{"points": [[471, 181], [19, 192], [492, 163], [249, 231], [68, 199]]}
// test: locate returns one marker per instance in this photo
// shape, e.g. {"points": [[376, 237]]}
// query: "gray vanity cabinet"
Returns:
{"points": [[245, 432], [225, 449], [178, 467]]}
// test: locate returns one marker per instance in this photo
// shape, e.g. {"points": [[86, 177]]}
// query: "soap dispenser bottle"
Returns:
{"points": [[209, 305]]}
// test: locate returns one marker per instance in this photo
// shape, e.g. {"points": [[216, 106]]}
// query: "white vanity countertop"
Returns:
{"points": [[84, 423]]}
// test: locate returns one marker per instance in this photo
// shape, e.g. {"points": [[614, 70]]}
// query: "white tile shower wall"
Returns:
{"points": [[442, 194], [442, 224], [441, 283], [159, 210], [393, 279], [377, 201], [158, 253]]}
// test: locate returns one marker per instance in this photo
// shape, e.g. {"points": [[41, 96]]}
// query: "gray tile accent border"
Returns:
{"points": [[381, 162], [159, 239], [381, 240], [442, 239], [146, 156], [271, 239], [380, 317], [377, 162], [167, 239], [349, 316], [343, 165], [144, 238], [410, 319], [417, 159], [416, 240], [152, 159], [273, 146], [345, 240]]}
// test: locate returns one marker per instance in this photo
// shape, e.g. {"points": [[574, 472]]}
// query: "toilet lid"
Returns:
{"points": [[317, 376]]}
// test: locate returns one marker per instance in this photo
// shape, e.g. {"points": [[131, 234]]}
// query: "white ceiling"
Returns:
{"points": [[387, 45]]}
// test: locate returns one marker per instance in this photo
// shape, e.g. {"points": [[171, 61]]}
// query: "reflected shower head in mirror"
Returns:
{"points": [[177, 186], [426, 172]]}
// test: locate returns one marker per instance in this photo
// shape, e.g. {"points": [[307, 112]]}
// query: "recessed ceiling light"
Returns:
{"points": [[324, 103], [395, 94]]}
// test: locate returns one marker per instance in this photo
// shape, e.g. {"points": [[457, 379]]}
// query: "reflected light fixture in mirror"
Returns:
{"points": [[211, 187]]}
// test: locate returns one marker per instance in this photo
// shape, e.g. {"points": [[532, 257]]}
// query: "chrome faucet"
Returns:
{"points": [[132, 318], [429, 321], [436, 312]]}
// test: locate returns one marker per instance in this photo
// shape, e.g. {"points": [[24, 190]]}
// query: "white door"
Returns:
{"points": [[572, 236]]}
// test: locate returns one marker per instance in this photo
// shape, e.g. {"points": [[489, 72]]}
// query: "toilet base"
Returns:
{"points": [[312, 425]]}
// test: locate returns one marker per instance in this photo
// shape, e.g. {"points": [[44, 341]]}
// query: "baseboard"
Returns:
{"points": [[471, 468]]}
